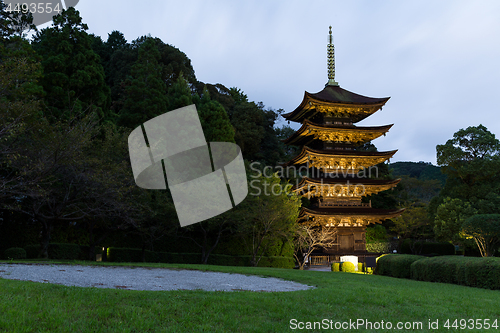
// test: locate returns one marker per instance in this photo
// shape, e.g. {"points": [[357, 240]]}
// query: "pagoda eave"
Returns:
{"points": [[347, 217], [342, 188], [349, 134], [338, 160]]}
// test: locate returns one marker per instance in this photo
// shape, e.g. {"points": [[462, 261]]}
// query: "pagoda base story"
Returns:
{"points": [[349, 240]]}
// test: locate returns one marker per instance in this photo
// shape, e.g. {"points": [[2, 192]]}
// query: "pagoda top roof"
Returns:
{"points": [[335, 95]]}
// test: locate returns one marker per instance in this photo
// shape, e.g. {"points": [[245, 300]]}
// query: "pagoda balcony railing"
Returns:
{"points": [[345, 203]]}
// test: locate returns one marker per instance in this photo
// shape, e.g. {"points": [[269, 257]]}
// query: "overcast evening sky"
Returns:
{"points": [[439, 61]]}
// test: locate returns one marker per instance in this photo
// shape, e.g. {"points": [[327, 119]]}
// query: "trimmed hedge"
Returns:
{"points": [[125, 254], [467, 271], [85, 249], [56, 251], [15, 253], [64, 251], [396, 265], [335, 267], [277, 262], [347, 267]]}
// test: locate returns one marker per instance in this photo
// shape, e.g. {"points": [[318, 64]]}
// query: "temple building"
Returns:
{"points": [[339, 168]]}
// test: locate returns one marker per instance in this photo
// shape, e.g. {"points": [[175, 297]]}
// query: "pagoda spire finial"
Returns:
{"points": [[331, 60]]}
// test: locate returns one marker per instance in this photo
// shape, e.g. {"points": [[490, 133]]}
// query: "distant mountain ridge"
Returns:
{"points": [[420, 170]]}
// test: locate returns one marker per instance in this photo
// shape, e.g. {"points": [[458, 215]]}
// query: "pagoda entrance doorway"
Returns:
{"points": [[346, 243]]}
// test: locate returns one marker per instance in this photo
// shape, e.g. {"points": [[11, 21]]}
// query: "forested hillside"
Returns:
{"points": [[420, 170]]}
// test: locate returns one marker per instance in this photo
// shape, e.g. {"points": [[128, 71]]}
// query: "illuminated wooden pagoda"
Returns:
{"points": [[339, 169]]}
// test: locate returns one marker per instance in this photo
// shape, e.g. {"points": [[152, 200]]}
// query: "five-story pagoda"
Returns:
{"points": [[339, 169]]}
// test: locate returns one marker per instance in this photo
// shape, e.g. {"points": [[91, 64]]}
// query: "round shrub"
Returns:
{"points": [[32, 251], [347, 266], [15, 253], [360, 266], [335, 267]]}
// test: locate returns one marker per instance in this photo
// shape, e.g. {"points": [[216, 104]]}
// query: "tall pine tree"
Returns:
{"points": [[179, 94], [214, 120], [73, 75], [146, 95]]}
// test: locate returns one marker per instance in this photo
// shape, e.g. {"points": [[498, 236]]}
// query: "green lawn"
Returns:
{"points": [[36, 307]]}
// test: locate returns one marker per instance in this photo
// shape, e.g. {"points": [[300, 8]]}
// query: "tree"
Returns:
{"points": [[73, 75], [485, 230], [207, 234], [376, 233], [145, 95], [179, 94], [78, 178], [309, 238], [121, 59], [450, 216], [287, 151], [273, 211], [14, 23], [156, 217], [471, 160], [214, 120], [20, 112], [248, 120], [413, 223]]}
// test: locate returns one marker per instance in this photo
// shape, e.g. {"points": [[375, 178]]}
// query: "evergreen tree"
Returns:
{"points": [[179, 94], [73, 74], [471, 160], [121, 59], [214, 120], [145, 96]]}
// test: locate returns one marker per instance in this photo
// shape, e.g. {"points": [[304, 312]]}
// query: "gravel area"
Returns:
{"points": [[140, 278]]}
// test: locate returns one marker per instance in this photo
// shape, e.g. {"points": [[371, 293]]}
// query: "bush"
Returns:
{"points": [[227, 260], [335, 267], [125, 254], [277, 262], [376, 234], [360, 266], [32, 251], [396, 265], [64, 251], [383, 247], [467, 271], [347, 267], [15, 253], [438, 269], [186, 258], [55, 251], [84, 252]]}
